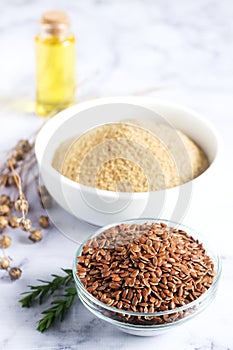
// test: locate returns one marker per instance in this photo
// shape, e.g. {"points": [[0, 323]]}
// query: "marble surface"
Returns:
{"points": [[183, 48]]}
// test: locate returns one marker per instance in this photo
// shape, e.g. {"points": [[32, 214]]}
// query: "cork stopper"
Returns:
{"points": [[55, 18]]}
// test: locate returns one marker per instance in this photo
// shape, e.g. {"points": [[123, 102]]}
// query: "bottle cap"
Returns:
{"points": [[55, 18]]}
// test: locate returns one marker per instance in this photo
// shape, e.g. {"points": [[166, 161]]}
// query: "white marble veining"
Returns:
{"points": [[125, 46]]}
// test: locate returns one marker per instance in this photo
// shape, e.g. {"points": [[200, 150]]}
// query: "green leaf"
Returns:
{"points": [[59, 307], [58, 310], [47, 288]]}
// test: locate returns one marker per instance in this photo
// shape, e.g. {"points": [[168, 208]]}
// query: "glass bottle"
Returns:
{"points": [[55, 64]]}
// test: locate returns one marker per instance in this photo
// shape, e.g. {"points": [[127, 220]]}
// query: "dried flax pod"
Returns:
{"points": [[14, 205]]}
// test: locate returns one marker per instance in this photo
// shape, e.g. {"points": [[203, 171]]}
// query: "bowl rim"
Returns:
{"points": [[142, 101], [196, 234]]}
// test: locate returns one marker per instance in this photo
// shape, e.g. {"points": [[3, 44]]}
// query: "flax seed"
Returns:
{"points": [[145, 268]]}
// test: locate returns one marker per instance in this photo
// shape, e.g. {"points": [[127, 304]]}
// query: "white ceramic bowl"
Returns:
{"points": [[100, 207]]}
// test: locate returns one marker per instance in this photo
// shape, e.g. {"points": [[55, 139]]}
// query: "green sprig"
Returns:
{"points": [[57, 311], [59, 307], [48, 288]]}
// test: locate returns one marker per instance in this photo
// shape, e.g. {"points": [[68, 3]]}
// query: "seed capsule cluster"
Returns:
{"points": [[15, 174]]}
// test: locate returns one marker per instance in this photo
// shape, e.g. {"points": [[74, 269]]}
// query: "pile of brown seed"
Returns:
{"points": [[145, 268]]}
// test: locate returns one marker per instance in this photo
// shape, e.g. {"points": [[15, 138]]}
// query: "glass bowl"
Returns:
{"points": [[148, 324]]}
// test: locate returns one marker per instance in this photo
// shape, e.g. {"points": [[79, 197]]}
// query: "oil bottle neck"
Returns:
{"points": [[58, 30]]}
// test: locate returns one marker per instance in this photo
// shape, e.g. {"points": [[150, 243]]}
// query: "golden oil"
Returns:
{"points": [[55, 64]]}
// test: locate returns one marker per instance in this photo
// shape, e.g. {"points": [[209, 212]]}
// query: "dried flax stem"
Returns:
{"points": [[16, 178], [150, 90]]}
